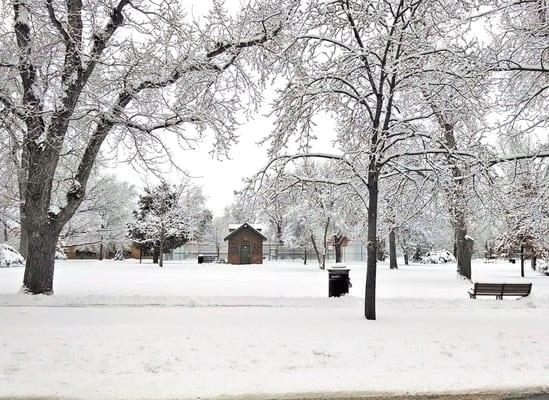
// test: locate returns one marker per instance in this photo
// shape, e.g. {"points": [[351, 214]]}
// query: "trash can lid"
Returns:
{"points": [[338, 268]]}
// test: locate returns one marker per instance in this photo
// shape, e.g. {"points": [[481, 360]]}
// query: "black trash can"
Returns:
{"points": [[338, 281], [200, 259]]}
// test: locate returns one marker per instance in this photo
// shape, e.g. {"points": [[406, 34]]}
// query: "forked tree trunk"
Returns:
{"points": [[392, 250], [371, 269]]}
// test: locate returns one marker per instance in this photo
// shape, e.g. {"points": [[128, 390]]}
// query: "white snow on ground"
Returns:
{"points": [[124, 330]]}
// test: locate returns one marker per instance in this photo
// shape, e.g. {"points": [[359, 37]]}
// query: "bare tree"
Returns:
{"points": [[216, 231], [362, 62], [77, 75]]}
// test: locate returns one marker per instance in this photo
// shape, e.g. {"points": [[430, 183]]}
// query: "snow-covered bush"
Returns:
{"points": [[9, 257], [543, 266], [60, 254], [438, 257]]}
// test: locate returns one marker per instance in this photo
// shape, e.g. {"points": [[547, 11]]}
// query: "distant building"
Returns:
{"points": [[245, 244]]}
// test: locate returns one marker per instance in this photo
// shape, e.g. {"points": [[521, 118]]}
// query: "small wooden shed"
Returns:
{"points": [[245, 245]]}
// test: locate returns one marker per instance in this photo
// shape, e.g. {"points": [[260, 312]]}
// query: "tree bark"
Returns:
{"points": [[101, 252], [318, 256], [533, 262], [305, 257], [371, 269], [522, 260], [406, 257], [155, 255], [392, 250], [6, 235], [463, 255], [161, 255], [24, 238], [456, 197], [325, 244], [338, 242], [38, 278]]}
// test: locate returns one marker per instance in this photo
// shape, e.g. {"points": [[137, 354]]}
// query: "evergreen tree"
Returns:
{"points": [[161, 222]]}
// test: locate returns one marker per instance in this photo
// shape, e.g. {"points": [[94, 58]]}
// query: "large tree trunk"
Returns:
{"points": [[38, 278], [463, 255], [155, 255], [392, 250], [456, 197], [371, 269], [533, 262]]}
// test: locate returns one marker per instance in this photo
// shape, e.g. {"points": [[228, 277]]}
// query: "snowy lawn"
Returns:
{"points": [[124, 330]]}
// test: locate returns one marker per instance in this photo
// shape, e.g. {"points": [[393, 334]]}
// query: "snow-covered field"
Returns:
{"points": [[124, 330]]}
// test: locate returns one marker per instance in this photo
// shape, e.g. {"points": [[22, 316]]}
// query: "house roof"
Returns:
{"points": [[246, 226]]}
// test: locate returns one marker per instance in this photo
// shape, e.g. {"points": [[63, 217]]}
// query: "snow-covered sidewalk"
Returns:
{"points": [[121, 330]]}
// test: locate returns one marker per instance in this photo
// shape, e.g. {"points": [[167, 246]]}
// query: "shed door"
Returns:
{"points": [[245, 254]]}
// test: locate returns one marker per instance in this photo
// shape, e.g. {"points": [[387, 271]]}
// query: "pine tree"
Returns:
{"points": [[161, 222]]}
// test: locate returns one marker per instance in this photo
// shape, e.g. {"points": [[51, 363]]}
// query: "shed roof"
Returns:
{"points": [[246, 226], [258, 227]]}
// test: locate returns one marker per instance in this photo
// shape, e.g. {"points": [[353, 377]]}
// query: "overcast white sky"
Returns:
{"points": [[220, 179]]}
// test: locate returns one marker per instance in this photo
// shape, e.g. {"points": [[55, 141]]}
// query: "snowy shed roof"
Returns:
{"points": [[234, 227], [244, 226]]}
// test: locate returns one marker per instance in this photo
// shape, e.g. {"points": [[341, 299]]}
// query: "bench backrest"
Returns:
{"points": [[510, 289]]}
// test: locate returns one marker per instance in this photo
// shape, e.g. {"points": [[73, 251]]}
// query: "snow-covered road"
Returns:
{"points": [[154, 352]]}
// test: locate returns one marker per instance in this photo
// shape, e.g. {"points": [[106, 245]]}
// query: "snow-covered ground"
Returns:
{"points": [[124, 330]]}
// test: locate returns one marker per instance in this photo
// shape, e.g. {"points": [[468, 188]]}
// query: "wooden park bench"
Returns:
{"points": [[500, 289]]}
